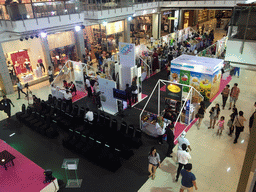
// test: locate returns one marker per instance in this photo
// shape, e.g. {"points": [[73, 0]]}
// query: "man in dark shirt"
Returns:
{"points": [[170, 139], [128, 91], [188, 179], [7, 105]]}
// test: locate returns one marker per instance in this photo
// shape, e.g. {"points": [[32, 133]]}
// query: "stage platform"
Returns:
{"points": [[24, 176]]}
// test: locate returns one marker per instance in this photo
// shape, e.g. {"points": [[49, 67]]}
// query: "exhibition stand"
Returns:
{"points": [[175, 105], [202, 73]]}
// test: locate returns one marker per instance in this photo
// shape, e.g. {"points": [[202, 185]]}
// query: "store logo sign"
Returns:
{"points": [[126, 49]]}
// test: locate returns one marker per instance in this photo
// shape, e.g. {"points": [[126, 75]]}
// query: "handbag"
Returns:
{"points": [[242, 127], [229, 124]]}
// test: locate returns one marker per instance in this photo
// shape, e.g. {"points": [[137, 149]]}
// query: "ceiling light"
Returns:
{"points": [[134, 14], [36, 36], [26, 38], [105, 23], [28, 16], [43, 34], [153, 11], [129, 18], [21, 39], [144, 12], [31, 37], [77, 28]]}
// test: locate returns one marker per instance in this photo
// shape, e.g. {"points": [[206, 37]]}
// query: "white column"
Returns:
{"points": [[46, 51], [181, 16], [5, 79], [79, 37], [127, 28], [156, 25]]}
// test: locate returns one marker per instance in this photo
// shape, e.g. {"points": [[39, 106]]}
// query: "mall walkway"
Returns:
{"points": [[217, 162]]}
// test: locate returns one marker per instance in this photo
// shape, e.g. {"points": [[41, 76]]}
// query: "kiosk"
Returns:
{"points": [[202, 73]]}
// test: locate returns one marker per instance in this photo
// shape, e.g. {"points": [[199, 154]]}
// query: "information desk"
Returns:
{"points": [[6, 158], [59, 94]]}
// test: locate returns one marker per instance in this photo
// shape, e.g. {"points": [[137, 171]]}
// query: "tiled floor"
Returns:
{"points": [[217, 162]]}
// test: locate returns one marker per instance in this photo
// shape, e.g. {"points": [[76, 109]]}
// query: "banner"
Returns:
{"points": [[127, 54], [106, 87], [20, 57], [187, 112], [174, 92], [78, 75]]}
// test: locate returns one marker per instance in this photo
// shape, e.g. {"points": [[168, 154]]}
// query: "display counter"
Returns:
{"points": [[149, 125], [27, 78], [59, 94]]}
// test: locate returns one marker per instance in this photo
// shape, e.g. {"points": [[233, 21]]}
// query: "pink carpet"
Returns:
{"points": [[223, 84], [79, 95], [24, 176], [179, 128]]}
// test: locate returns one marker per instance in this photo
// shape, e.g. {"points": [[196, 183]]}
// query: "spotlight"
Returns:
{"points": [[21, 39], [43, 34], [26, 38], [36, 36], [82, 26], [129, 18], [77, 28], [31, 37], [144, 12], [153, 11], [105, 23], [134, 14]]}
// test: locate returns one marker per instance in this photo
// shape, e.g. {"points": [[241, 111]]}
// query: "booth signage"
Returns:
{"points": [[172, 18], [174, 92], [167, 13], [79, 78], [127, 54], [187, 112]]}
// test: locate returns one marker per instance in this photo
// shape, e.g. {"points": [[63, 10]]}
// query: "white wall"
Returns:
{"points": [[34, 49], [233, 52]]}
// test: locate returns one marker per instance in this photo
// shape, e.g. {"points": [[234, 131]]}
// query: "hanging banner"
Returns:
{"points": [[79, 78], [187, 112], [127, 54], [174, 92]]}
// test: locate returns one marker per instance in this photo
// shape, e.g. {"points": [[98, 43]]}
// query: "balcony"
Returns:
{"points": [[21, 17]]}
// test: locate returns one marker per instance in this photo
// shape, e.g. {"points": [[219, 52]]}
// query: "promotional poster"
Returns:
{"points": [[174, 92]]}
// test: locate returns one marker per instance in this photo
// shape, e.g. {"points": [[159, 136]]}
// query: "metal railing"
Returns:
{"points": [[23, 11]]}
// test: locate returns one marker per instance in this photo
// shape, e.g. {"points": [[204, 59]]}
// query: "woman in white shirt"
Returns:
{"points": [[154, 161], [160, 128]]}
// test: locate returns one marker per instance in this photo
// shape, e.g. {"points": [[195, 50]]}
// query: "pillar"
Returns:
{"points": [[248, 160], [156, 25], [181, 18], [5, 79], [127, 28], [79, 37], [46, 51]]}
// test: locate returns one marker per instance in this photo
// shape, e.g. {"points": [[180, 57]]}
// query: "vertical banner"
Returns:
{"points": [[78, 75], [106, 87], [127, 60]]}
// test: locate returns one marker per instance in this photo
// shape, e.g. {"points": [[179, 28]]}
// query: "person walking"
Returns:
{"points": [[19, 88], [239, 125], [253, 112], [182, 140], [221, 125], [50, 73], [160, 129], [188, 179], [68, 98], [7, 105], [154, 161], [225, 94], [170, 139], [214, 115], [232, 118], [128, 92], [182, 157], [200, 113], [237, 70], [234, 95], [134, 90], [88, 87]]}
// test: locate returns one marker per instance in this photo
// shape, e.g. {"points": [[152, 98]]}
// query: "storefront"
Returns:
{"points": [[104, 37], [141, 29], [25, 60], [62, 48], [169, 22]]}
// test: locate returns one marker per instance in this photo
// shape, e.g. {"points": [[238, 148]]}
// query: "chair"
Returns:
{"points": [[64, 106], [102, 119], [107, 121], [68, 138], [79, 146], [136, 140], [59, 103], [22, 112], [81, 114], [26, 115], [75, 111], [67, 122], [130, 131], [95, 118], [52, 132], [88, 147], [42, 129], [114, 125], [49, 98], [54, 100], [123, 128], [75, 139]]}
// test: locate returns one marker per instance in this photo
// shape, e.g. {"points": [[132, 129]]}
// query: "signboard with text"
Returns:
{"points": [[174, 92], [127, 54]]}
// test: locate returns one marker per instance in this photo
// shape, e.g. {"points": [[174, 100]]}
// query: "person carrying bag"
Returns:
{"points": [[239, 125]]}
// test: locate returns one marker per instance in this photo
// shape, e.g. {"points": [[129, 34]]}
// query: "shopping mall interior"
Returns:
{"points": [[197, 46]]}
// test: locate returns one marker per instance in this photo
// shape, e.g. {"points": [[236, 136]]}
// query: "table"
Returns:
{"points": [[27, 78], [6, 157], [59, 94]]}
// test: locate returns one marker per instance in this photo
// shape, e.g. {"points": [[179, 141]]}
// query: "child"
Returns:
{"points": [[221, 125]]}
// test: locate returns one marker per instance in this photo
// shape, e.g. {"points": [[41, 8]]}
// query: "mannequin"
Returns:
{"points": [[27, 65], [40, 62], [11, 69], [17, 68]]}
